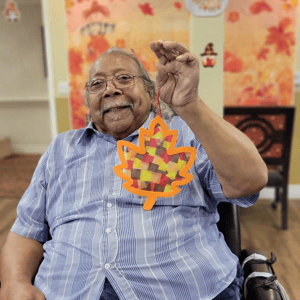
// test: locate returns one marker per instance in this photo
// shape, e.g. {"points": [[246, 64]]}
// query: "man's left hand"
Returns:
{"points": [[178, 73]]}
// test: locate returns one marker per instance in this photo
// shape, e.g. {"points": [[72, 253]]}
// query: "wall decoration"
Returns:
{"points": [[206, 8], [11, 11], [209, 56], [259, 52], [95, 26]]}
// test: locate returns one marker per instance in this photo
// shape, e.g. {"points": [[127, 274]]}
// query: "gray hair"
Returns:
{"points": [[150, 85]]}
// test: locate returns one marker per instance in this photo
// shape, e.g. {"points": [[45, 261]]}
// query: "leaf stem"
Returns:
{"points": [[149, 202]]}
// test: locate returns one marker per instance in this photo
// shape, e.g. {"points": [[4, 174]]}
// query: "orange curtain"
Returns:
{"points": [[95, 26], [259, 54]]}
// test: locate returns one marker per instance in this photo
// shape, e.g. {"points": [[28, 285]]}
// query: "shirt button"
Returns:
{"points": [[107, 266], [109, 205], [108, 230]]}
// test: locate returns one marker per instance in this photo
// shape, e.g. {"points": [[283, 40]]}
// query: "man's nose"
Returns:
{"points": [[111, 89]]}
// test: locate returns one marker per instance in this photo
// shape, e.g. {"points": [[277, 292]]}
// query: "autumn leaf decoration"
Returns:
{"points": [[155, 168]]}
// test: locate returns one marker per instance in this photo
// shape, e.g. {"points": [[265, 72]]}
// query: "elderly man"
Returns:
{"points": [[81, 235]]}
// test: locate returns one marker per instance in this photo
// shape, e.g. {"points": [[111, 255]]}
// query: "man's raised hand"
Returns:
{"points": [[177, 73]]}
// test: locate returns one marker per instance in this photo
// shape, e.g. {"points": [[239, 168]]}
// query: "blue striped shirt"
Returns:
{"points": [[92, 228]]}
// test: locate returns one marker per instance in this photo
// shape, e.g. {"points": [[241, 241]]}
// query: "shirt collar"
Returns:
{"points": [[91, 129]]}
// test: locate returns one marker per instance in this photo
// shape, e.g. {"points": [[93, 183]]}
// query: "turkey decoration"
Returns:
{"points": [[209, 56]]}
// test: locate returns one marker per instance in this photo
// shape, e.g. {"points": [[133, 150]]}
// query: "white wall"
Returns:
{"points": [[21, 56], [27, 124], [24, 107]]}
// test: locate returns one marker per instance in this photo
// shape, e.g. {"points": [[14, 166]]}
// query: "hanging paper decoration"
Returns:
{"points": [[260, 52], [209, 56], [11, 11], [206, 8], [155, 168]]}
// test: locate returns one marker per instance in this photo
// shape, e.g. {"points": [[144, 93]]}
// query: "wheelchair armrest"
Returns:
{"points": [[256, 287]]}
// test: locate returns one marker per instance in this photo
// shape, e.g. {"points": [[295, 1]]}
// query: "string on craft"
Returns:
{"points": [[158, 108]]}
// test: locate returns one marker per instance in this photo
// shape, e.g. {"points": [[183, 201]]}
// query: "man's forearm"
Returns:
{"points": [[236, 161], [20, 259]]}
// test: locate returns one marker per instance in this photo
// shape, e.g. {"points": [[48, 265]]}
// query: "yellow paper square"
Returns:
{"points": [[181, 164], [158, 135], [171, 175], [145, 175], [168, 188], [137, 163], [166, 144], [163, 166], [151, 150]]}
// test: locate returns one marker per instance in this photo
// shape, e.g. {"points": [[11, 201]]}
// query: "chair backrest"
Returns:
{"points": [[229, 225], [270, 129]]}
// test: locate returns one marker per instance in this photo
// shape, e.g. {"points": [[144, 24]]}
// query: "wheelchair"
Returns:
{"points": [[260, 281]]}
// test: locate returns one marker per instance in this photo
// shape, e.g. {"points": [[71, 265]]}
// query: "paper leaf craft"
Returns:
{"points": [[155, 168]]}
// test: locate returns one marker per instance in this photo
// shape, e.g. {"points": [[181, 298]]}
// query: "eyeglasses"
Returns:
{"points": [[121, 81]]}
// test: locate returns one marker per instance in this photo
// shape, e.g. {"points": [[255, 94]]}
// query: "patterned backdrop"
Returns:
{"points": [[259, 52], [259, 43]]}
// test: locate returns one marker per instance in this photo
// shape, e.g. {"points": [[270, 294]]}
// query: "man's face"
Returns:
{"points": [[119, 112]]}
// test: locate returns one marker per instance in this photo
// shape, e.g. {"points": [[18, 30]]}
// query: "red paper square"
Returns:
{"points": [[130, 164], [135, 184], [152, 143], [164, 180], [166, 157], [147, 158]]}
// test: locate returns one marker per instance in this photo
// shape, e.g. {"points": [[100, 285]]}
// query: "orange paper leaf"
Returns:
{"points": [[155, 168]]}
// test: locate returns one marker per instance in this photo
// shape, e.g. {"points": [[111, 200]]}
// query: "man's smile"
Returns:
{"points": [[113, 107]]}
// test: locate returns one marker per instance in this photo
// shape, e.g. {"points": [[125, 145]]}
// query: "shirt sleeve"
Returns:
{"points": [[31, 211], [210, 182]]}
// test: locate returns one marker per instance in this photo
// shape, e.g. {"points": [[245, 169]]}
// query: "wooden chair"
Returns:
{"points": [[270, 129]]}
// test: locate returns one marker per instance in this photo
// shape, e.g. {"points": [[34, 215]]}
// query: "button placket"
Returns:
{"points": [[110, 230], [112, 214]]}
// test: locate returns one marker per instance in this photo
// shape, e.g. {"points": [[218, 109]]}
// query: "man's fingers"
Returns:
{"points": [[170, 55], [175, 47], [167, 51], [164, 55], [188, 58], [156, 48]]}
